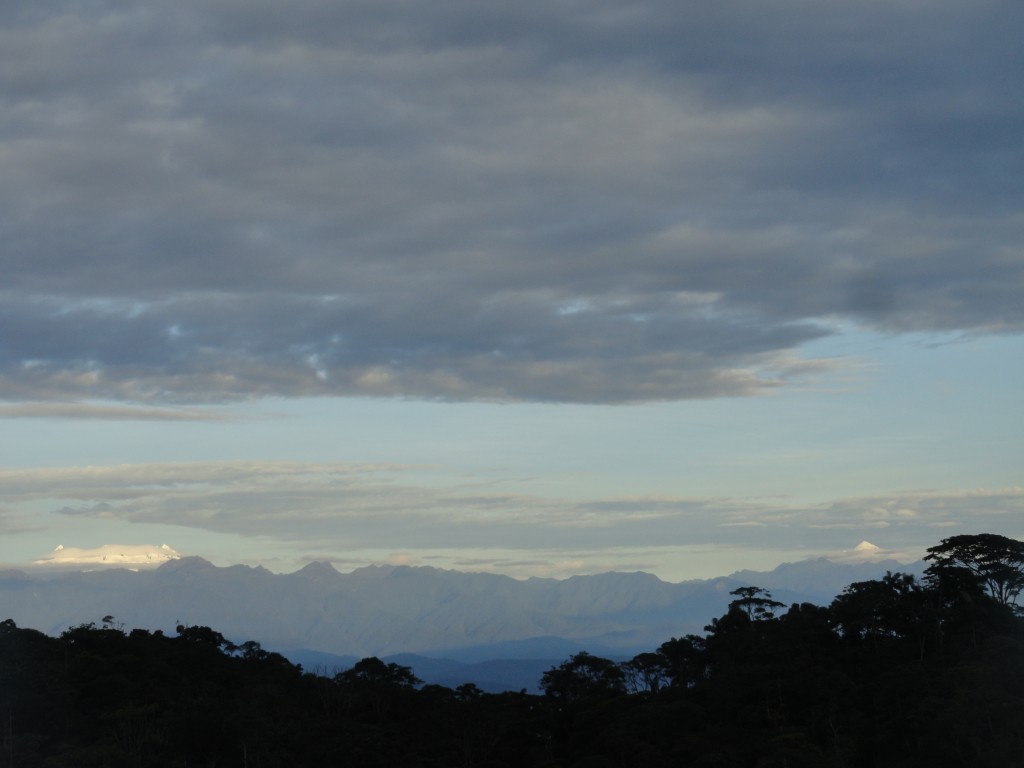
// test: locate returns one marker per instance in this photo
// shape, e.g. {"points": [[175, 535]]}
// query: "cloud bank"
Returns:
{"points": [[575, 202], [340, 511]]}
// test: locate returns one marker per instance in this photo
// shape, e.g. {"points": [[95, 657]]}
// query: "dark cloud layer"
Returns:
{"points": [[580, 201]]}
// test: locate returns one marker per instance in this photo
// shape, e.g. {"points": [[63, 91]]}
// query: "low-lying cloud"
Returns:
{"points": [[332, 511]]}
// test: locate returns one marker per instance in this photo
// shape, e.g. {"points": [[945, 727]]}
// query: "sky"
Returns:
{"points": [[536, 288]]}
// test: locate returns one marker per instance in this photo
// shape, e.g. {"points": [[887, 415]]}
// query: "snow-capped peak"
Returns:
{"points": [[867, 548], [865, 552], [110, 555]]}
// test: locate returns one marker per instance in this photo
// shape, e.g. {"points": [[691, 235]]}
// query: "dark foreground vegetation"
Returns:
{"points": [[893, 673]]}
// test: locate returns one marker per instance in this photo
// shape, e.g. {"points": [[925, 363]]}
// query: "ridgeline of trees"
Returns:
{"points": [[894, 672]]}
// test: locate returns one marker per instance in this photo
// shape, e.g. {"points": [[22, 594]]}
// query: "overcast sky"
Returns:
{"points": [[538, 287]]}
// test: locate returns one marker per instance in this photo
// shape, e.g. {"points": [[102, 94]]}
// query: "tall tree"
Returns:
{"points": [[995, 562], [756, 602]]}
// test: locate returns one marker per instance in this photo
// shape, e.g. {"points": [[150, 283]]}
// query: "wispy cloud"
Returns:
{"points": [[342, 509], [90, 411]]}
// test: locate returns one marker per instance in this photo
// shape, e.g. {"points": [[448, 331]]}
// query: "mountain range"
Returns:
{"points": [[450, 626]]}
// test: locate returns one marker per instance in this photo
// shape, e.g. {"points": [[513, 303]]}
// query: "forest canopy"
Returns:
{"points": [[894, 672]]}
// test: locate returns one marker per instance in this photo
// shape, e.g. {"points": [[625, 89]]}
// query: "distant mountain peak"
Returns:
{"points": [[318, 566], [825, 574], [190, 563], [638, 577], [387, 570], [374, 570], [318, 570]]}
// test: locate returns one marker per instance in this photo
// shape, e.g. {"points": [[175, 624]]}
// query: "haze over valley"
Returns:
{"points": [[388, 610]]}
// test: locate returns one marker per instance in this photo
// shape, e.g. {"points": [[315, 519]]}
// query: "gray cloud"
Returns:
{"points": [[220, 200]]}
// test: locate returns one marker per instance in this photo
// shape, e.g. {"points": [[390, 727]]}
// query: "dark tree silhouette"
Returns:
{"points": [[996, 562], [891, 612], [893, 673], [756, 602], [685, 660], [646, 673], [583, 676], [374, 671]]}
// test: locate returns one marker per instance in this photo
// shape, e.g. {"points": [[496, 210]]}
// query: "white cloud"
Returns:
{"points": [[110, 556]]}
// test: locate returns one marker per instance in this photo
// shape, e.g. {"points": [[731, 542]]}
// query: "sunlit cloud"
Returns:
{"points": [[320, 509], [110, 556]]}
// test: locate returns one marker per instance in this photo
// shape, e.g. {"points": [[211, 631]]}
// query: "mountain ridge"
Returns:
{"points": [[391, 609]]}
